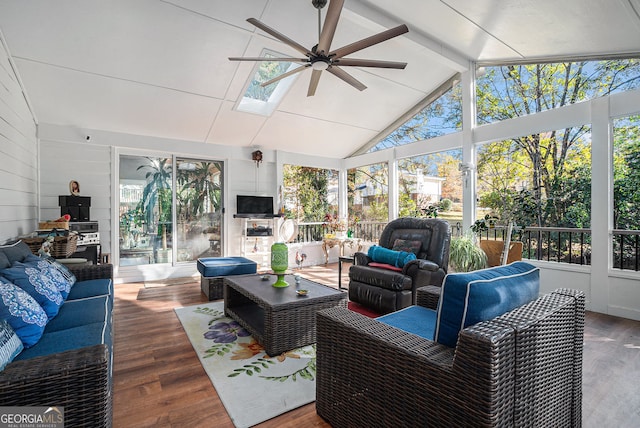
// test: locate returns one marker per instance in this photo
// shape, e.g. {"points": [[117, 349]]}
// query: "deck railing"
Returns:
{"points": [[626, 249], [555, 244]]}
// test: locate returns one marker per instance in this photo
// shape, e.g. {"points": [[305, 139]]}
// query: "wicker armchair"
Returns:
{"points": [[523, 368], [79, 380]]}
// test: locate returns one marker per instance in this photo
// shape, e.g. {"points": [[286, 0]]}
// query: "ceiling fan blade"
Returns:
{"points": [[330, 24], [369, 41], [353, 62], [280, 36], [313, 83], [263, 58], [346, 77], [283, 75]]}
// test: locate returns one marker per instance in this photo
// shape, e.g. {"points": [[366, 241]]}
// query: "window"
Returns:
{"points": [[145, 210], [440, 117], [309, 195], [538, 180], [198, 209], [518, 90], [626, 198], [368, 199], [264, 100], [431, 185], [146, 229]]}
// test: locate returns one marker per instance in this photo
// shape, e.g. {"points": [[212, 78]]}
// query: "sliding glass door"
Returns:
{"points": [[198, 209], [150, 193]]}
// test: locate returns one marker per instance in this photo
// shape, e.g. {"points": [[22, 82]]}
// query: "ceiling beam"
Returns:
{"points": [[439, 52]]}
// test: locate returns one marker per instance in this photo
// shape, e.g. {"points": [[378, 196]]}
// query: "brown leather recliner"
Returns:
{"points": [[384, 290]]}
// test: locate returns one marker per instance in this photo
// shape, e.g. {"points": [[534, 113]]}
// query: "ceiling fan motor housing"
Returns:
{"points": [[319, 4]]}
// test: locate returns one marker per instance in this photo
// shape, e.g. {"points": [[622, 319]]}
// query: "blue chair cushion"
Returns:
{"points": [[76, 313], [10, 344], [413, 319], [469, 298], [225, 266], [68, 339], [15, 252], [91, 288], [22, 312], [38, 286], [384, 255]]}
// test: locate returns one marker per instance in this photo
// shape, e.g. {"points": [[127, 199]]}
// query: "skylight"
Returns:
{"points": [[263, 101]]}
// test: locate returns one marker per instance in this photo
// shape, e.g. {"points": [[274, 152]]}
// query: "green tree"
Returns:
{"points": [[198, 193], [156, 195], [626, 212], [305, 191], [556, 162]]}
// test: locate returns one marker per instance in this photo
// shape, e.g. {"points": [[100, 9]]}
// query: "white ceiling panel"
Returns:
{"points": [[161, 68], [87, 101]]}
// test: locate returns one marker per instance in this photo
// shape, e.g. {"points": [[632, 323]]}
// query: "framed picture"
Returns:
{"points": [[74, 187]]}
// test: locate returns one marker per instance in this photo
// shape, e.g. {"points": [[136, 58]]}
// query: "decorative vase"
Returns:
{"points": [[280, 262]]}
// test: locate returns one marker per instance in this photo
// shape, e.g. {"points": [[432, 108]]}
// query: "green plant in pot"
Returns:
{"points": [[465, 255]]}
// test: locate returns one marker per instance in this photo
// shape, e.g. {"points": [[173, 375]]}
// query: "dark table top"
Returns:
{"points": [[273, 296]]}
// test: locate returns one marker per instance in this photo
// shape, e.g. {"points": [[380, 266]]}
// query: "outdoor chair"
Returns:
{"points": [[384, 287], [520, 368]]}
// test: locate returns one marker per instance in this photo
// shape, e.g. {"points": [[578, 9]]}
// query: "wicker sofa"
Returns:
{"points": [[523, 368], [71, 364]]}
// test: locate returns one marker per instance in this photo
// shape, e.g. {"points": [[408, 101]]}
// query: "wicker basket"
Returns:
{"points": [[63, 246]]}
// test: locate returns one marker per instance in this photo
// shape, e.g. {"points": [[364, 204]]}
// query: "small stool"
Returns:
{"points": [[340, 260], [214, 269]]}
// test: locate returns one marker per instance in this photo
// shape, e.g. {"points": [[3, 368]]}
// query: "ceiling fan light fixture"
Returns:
{"points": [[320, 65]]}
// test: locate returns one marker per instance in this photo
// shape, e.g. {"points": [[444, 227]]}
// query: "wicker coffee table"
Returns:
{"points": [[278, 318]]}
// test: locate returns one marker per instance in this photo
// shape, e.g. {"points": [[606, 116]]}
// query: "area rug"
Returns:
{"points": [[253, 386]]}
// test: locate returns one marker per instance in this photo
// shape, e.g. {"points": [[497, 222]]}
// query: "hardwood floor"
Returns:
{"points": [[159, 382]]}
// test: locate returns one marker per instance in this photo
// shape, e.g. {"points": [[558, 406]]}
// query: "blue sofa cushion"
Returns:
{"points": [[225, 266], [38, 286], [469, 298], [413, 319], [4, 261], [91, 288], [385, 255], [15, 252], [10, 344], [47, 269], [22, 312], [76, 313], [68, 339]]}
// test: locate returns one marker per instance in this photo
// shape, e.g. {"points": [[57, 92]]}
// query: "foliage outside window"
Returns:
{"points": [[431, 185], [198, 208], [368, 199], [519, 90], [443, 116], [538, 180], [626, 197], [310, 195]]}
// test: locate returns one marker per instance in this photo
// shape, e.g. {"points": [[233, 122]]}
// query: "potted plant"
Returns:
{"points": [[465, 255]]}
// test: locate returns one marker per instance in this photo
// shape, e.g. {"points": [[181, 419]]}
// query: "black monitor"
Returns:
{"points": [[254, 206]]}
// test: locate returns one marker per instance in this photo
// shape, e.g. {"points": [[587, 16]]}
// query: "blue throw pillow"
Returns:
{"points": [[10, 344], [16, 252], [385, 255], [469, 298], [37, 285], [23, 313], [55, 271]]}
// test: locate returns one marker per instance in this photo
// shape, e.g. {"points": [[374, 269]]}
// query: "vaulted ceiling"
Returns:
{"points": [[160, 67]]}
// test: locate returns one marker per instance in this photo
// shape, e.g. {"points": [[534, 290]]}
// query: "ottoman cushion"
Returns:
{"points": [[225, 266]]}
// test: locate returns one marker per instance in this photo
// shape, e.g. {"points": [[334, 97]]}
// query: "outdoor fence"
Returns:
{"points": [[554, 244]]}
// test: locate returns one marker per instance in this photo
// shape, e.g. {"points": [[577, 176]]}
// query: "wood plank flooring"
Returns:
{"points": [[159, 382]]}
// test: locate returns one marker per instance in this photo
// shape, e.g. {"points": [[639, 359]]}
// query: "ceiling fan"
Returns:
{"points": [[320, 57]]}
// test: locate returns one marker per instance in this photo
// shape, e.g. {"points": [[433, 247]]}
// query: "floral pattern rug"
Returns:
{"points": [[252, 385]]}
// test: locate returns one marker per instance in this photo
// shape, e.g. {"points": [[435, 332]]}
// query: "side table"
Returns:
{"points": [[342, 259]]}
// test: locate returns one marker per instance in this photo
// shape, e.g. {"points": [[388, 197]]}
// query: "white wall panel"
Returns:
{"points": [[18, 155]]}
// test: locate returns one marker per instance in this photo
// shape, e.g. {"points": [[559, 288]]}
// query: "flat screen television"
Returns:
{"points": [[254, 206]]}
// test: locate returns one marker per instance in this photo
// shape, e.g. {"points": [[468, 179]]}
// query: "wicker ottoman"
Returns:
{"points": [[214, 269]]}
